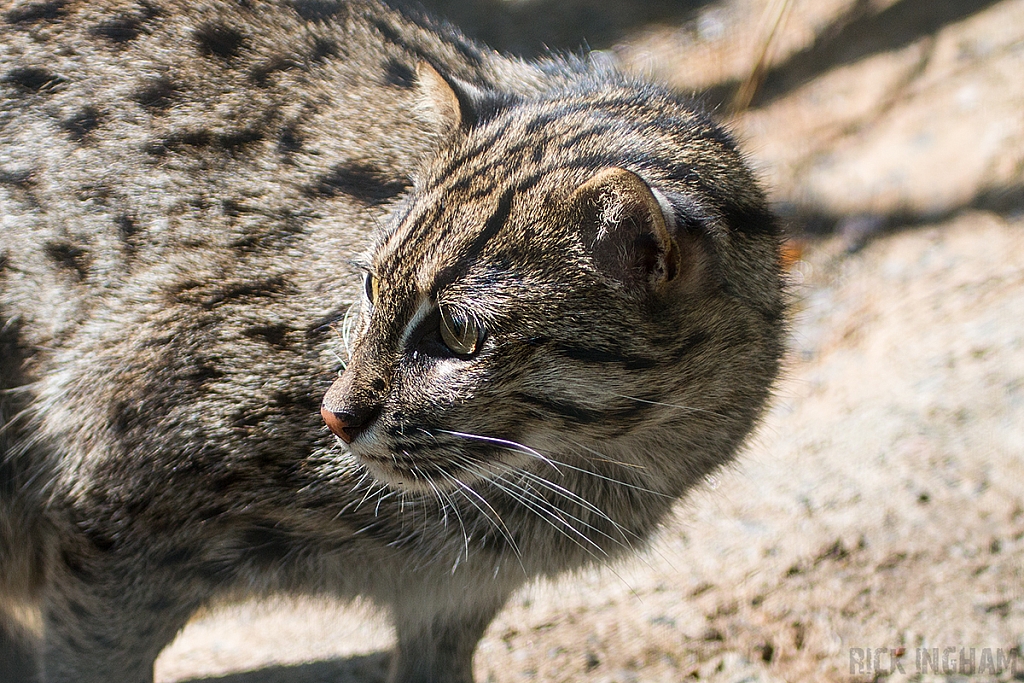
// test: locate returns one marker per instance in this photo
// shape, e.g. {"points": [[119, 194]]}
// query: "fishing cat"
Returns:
{"points": [[553, 291]]}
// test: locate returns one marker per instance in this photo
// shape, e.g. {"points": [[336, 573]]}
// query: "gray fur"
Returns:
{"points": [[188, 192]]}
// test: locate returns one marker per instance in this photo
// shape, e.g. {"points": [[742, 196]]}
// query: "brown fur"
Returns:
{"points": [[184, 187]]}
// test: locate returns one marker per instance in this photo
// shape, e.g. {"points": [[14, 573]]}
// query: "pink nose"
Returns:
{"points": [[345, 425]]}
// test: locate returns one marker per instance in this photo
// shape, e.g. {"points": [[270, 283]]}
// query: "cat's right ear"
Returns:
{"points": [[446, 103], [630, 232]]}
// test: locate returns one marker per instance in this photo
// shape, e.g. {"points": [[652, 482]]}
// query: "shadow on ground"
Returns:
{"points": [[370, 668], [531, 28], [534, 27], [857, 34], [860, 229]]}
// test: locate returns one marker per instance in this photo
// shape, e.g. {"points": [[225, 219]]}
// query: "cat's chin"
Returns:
{"points": [[422, 478], [420, 482]]}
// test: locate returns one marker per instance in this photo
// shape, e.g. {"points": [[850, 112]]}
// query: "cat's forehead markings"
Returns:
{"points": [[458, 259], [426, 272], [420, 217]]}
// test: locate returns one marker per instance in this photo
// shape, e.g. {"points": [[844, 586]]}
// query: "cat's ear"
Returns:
{"points": [[628, 230], [444, 102]]}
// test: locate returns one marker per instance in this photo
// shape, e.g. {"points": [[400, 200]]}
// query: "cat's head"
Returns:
{"points": [[584, 277]]}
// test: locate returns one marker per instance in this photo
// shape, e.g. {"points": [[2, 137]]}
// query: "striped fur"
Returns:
{"points": [[190, 196]]}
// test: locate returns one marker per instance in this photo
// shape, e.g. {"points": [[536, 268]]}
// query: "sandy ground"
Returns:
{"points": [[874, 529]]}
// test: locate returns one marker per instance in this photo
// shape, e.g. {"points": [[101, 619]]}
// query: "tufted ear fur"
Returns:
{"points": [[444, 102], [626, 229]]}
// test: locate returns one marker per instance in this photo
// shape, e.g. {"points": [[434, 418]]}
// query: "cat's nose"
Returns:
{"points": [[346, 424]]}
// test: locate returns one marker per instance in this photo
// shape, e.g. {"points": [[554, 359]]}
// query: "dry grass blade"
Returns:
{"points": [[777, 11]]}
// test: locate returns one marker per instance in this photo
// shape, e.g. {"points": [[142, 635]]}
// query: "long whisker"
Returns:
{"points": [[346, 328], [554, 464], [555, 488], [337, 357], [496, 520], [540, 504], [504, 443], [561, 491], [437, 494], [625, 533], [369, 492], [548, 514], [603, 458], [445, 500], [382, 496], [565, 493], [582, 502], [688, 409]]}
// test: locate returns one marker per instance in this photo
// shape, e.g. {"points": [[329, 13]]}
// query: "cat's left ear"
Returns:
{"points": [[628, 229], [445, 102]]}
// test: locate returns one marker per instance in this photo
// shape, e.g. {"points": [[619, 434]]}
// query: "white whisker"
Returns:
{"points": [[496, 520], [582, 502], [635, 487], [546, 513], [346, 328], [553, 487], [445, 500], [504, 443], [689, 409]]}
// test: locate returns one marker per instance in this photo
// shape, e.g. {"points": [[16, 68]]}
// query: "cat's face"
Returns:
{"points": [[525, 304]]}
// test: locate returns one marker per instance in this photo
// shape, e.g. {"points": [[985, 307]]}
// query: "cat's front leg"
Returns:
{"points": [[439, 647], [17, 658], [107, 618]]}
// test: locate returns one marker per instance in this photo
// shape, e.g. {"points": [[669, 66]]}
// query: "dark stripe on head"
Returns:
{"points": [[620, 416], [567, 411], [591, 355], [494, 223], [482, 146], [689, 345]]}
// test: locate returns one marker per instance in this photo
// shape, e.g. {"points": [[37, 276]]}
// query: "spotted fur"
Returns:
{"points": [[190, 196]]}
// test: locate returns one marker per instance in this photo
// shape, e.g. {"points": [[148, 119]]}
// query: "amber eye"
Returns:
{"points": [[370, 287], [461, 334]]}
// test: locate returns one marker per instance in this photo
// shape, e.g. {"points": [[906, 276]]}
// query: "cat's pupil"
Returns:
{"points": [[370, 288], [461, 334]]}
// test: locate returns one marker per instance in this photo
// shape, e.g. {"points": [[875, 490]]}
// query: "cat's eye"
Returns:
{"points": [[370, 288], [462, 334]]}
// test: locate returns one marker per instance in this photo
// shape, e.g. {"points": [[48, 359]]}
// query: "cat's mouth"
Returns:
{"points": [[437, 465]]}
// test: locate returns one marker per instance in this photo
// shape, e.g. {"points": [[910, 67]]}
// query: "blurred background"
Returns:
{"points": [[874, 529], [904, 110]]}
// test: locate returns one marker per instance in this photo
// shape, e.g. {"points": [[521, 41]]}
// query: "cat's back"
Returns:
{"points": [[190, 143]]}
